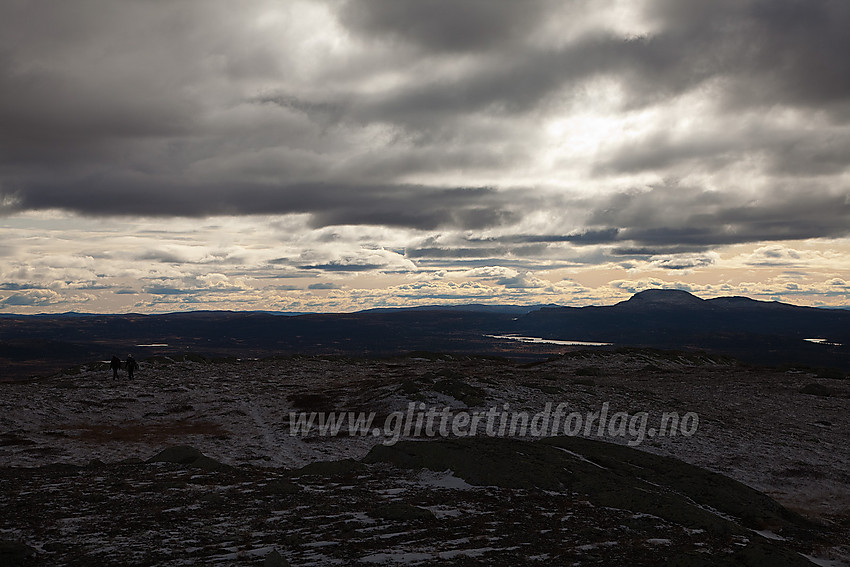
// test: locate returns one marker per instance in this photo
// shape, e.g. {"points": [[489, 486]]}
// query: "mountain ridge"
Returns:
{"points": [[756, 331], [653, 296]]}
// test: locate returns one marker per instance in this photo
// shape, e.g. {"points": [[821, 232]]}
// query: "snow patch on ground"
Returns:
{"points": [[444, 479]]}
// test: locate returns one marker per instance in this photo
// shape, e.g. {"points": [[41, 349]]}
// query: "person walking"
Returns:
{"points": [[132, 365], [115, 365]]}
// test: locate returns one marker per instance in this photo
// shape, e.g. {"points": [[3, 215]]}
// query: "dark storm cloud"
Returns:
{"points": [[659, 151], [646, 252], [780, 50], [75, 77], [584, 237], [513, 83], [445, 25], [765, 52], [117, 108], [671, 215], [785, 151], [323, 112], [434, 252], [672, 219], [329, 204], [47, 117]]}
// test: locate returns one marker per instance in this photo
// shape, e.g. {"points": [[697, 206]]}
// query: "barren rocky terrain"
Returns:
{"points": [[85, 479]]}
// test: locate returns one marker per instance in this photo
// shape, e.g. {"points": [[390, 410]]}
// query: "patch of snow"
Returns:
{"points": [[538, 340], [592, 546], [444, 479], [405, 557], [475, 552], [393, 534], [580, 457], [824, 562], [441, 511], [361, 517], [769, 535]]}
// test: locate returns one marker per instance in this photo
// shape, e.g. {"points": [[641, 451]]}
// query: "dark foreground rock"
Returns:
{"points": [[16, 553], [188, 456], [460, 502]]}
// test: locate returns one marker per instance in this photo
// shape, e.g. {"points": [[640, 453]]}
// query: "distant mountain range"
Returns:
{"points": [[472, 307], [671, 318], [756, 331]]}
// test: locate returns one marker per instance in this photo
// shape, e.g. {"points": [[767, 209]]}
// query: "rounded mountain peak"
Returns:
{"points": [[665, 296]]}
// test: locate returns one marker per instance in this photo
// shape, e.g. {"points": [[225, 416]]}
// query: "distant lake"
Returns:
{"points": [[822, 342], [538, 340]]}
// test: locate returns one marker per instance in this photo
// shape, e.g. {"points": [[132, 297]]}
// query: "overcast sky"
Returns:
{"points": [[333, 155]]}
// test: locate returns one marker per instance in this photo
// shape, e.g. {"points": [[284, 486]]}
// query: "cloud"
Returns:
{"points": [[209, 283], [671, 214], [195, 254], [341, 267], [587, 236], [507, 277], [328, 204], [192, 114], [391, 139], [445, 25], [352, 259], [775, 255], [773, 52], [762, 53], [12, 286], [523, 251], [32, 298], [683, 261], [703, 138], [168, 290], [792, 259], [323, 285]]}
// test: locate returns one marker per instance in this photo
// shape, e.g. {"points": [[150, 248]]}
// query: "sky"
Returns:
{"points": [[337, 155]]}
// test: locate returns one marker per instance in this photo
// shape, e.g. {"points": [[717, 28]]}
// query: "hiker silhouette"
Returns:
{"points": [[132, 365], [115, 364]]}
